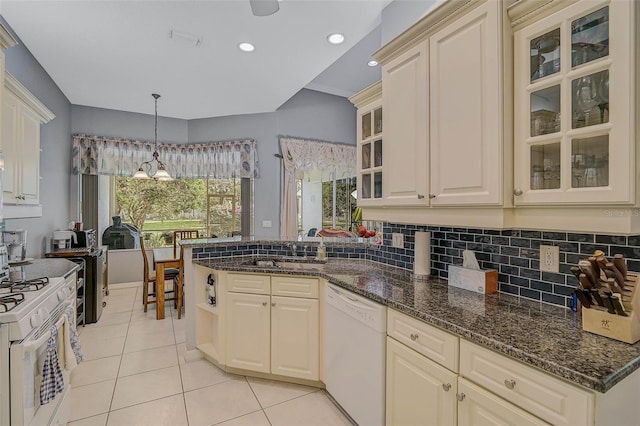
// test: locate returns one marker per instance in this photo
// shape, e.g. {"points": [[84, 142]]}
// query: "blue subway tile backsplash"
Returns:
{"points": [[514, 253]]}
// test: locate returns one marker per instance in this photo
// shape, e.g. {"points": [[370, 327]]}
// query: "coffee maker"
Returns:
{"points": [[16, 243]]}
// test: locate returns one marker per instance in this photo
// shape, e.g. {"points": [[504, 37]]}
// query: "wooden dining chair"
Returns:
{"points": [[178, 283], [149, 277], [183, 234]]}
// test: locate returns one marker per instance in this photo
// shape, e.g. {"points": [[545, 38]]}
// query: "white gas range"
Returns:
{"points": [[36, 298]]}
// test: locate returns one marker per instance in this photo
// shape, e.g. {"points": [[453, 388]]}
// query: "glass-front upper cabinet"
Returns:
{"points": [[369, 136], [574, 106]]}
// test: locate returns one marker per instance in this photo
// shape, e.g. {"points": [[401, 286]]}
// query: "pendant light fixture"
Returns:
{"points": [[160, 171]]}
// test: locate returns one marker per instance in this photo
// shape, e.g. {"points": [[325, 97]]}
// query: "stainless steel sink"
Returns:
{"points": [[286, 263], [299, 265]]}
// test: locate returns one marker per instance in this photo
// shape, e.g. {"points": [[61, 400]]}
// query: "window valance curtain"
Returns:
{"points": [[318, 159], [98, 155], [314, 160]]}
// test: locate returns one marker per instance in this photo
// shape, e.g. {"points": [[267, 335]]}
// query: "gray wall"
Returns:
{"points": [[401, 14], [128, 125], [55, 159]]}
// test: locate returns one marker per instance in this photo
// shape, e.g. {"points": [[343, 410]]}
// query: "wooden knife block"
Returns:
{"points": [[626, 329]]}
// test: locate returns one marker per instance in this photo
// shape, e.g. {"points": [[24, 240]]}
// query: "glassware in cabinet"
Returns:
{"points": [[568, 67]]}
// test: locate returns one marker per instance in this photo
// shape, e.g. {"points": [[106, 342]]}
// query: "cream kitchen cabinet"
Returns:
{"points": [[422, 363], [467, 141], [446, 140], [419, 391], [405, 105], [575, 108], [370, 144], [277, 332], [22, 116], [443, 104], [295, 339], [248, 332]]}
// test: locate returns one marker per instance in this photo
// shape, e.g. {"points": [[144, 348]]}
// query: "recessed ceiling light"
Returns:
{"points": [[335, 38], [372, 63], [246, 47]]}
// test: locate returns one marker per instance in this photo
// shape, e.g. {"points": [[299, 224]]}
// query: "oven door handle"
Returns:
{"points": [[33, 345]]}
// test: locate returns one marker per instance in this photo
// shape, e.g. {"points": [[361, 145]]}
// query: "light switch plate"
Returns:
{"points": [[266, 224], [550, 258], [397, 240]]}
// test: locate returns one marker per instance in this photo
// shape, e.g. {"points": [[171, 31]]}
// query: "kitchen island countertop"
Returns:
{"points": [[541, 335]]}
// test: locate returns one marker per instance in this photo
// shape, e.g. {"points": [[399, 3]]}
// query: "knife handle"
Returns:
{"points": [[596, 296], [618, 276], [576, 271], [615, 302], [585, 281], [594, 264], [618, 260], [587, 269], [582, 298], [602, 262], [613, 286], [608, 273], [607, 303]]}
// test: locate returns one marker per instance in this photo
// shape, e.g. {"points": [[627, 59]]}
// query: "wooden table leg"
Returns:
{"points": [[159, 291]]}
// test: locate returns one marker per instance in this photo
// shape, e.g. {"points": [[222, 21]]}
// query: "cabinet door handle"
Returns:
{"points": [[510, 383], [446, 386], [460, 396], [264, 303], [273, 304], [517, 192], [420, 196], [414, 336], [432, 196]]}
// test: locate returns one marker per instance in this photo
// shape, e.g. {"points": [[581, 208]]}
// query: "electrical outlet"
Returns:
{"points": [[550, 258], [397, 240]]}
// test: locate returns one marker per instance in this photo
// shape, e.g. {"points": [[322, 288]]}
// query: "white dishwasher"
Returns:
{"points": [[354, 354]]}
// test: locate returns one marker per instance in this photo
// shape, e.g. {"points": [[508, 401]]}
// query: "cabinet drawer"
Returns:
{"points": [[435, 344], [477, 406], [545, 396], [249, 283], [294, 287]]}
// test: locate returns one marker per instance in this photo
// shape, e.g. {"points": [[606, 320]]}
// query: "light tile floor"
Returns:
{"points": [[134, 374]]}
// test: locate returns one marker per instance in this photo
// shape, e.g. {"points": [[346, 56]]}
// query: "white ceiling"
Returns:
{"points": [[114, 54]]}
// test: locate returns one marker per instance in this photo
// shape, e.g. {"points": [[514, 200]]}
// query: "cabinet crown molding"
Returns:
{"points": [[423, 28], [6, 39], [527, 11], [18, 89], [367, 95]]}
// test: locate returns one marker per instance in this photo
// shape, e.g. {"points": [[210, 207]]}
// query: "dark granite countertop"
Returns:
{"points": [[538, 334]]}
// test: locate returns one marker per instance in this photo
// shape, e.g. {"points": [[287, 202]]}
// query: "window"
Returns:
{"points": [[316, 207], [213, 206]]}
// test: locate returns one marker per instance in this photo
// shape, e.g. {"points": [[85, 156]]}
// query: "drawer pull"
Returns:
{"points": [[273, 304], [460, 396], [414, 336], [446, 386], [264, 303], [510, 383]]}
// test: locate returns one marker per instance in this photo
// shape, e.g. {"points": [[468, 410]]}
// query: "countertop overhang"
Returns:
{"points": [[540, 335]]}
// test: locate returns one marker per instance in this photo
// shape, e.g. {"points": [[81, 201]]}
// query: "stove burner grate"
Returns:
{"points": [[24, 285], [10, 301]]}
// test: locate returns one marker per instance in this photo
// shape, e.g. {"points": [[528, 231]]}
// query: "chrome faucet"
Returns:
{"points": [[294, 250]]}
